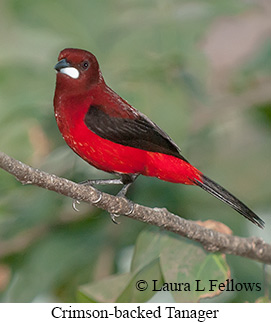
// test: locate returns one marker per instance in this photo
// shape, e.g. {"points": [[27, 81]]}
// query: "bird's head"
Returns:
{"points": [[77, 70]]}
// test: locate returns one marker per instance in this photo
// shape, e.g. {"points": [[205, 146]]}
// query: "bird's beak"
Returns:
{"points": [[62, 64], [64, 67]]}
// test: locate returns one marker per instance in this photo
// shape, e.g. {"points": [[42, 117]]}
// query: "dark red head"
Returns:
{"points": [[78, 70]]}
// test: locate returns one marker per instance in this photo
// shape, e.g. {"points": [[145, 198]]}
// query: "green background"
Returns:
{"points": [[199, 69]]}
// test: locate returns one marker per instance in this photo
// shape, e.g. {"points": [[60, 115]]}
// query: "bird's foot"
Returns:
{"points": [[114, 215], [91, 182], [126, 180]]}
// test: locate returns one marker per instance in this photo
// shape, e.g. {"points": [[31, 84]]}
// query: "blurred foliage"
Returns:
{"points": [[157, 266], [151, 53]]}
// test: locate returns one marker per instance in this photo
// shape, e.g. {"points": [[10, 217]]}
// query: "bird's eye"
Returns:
{"points": [[85, 65]]}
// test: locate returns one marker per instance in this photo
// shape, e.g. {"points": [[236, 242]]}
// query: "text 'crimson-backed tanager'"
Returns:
{"points": [[110, 134]]}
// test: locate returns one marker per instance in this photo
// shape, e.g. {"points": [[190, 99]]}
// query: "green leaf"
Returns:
{"points": [[147, 248], [124, 287], [175, 264], [142, 279], [184, 261], [106, 290]]}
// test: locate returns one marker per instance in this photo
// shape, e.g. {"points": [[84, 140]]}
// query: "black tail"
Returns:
{"points": [[222, 194]]}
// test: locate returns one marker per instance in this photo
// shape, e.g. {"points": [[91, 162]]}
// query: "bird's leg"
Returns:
{"points": [[127, 182], [110, 181], [125, 179], [90, 182]]}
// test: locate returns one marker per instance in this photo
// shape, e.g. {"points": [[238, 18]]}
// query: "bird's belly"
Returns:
{"points": [[104, 154]]}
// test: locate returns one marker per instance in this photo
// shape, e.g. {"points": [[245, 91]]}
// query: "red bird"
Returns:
{"points": [[108, 133]]}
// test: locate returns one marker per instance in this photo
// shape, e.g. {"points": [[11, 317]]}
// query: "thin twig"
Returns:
{"points": [[253, 248]]}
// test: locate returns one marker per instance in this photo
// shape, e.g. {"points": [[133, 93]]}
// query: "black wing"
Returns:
{"points": [[137, 132]]}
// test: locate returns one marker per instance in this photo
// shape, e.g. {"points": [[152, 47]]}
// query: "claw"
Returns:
{"points": [[74, 205], [113, 218], [131, 209], [98, 199], [75, 202]]}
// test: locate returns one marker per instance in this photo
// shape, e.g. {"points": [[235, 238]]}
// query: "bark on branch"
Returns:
{"points": [[253, 248]]}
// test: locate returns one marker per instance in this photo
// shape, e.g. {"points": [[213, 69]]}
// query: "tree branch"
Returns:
{"points": [[253, 248]]}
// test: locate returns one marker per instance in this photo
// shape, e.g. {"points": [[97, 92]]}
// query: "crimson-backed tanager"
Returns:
{"points": [[110, 134]]}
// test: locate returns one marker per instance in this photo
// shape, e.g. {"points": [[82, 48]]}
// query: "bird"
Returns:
{"points": [[111, 135]]}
